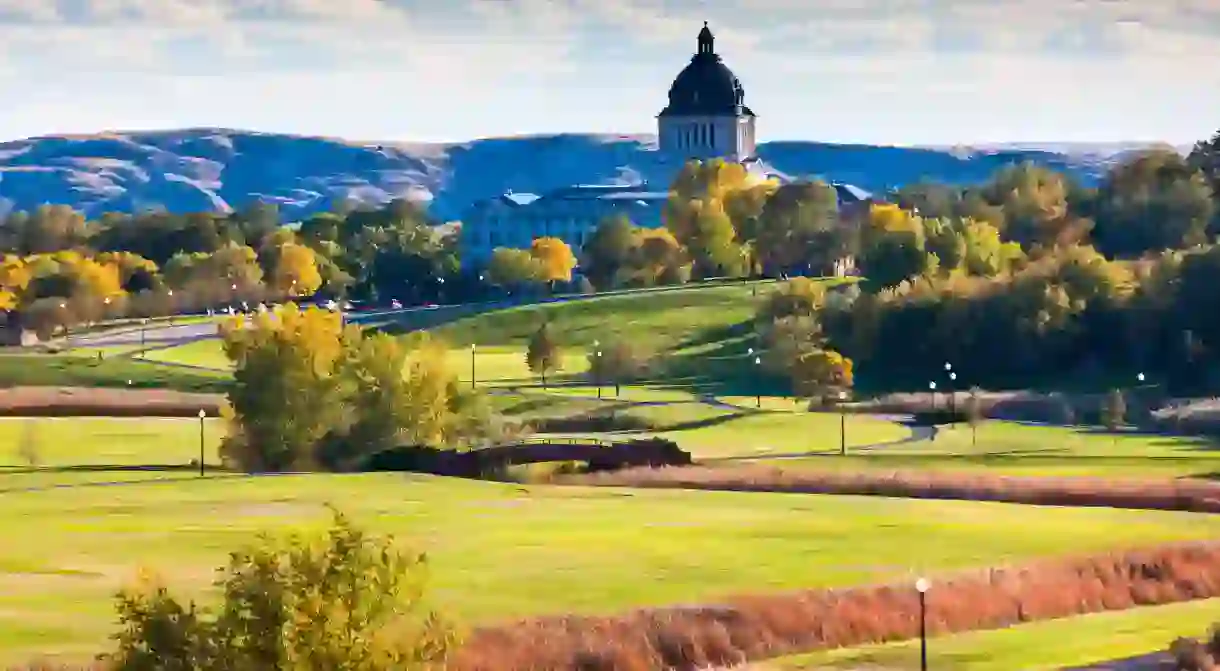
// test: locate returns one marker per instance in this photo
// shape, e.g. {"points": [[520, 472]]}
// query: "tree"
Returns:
{"points": [[618, 362], [1153, 201], [345, 600], [15, 277], [285, 397], [510, 267], [709, 212], [974, 414], [1114, 410], [608, 250], [799, 297], [554, 258], [820, 372], [543, 355], [799, 227], [295, 271]]}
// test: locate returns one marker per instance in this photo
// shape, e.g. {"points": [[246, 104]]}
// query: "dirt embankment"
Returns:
{"points": [[753, 628], [97, 402], [1187, 495]]}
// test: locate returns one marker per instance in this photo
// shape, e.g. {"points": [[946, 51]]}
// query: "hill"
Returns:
{"points": [[219, 169]]}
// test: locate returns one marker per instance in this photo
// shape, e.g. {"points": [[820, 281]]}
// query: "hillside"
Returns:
{"points": [[209, 168]]}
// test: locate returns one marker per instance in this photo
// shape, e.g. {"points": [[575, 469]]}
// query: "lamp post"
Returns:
{"points": [[922, 586], [932, 389], [953, 396], [202, 416], [842, 424], [757, 391], [597, 373], [472, 348]]}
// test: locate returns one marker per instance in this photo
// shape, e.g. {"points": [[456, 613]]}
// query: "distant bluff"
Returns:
{"points": [[217, 169]]}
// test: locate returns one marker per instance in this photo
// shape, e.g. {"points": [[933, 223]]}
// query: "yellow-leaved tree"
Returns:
{"points": [[555, 259], [341, 600], [15, 276], [820, 373], [285, 397], [296, 271]]}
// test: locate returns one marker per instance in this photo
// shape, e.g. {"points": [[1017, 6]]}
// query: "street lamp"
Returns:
{"points": [[842, 424], [952, 396], [932, 389], [472, 348], [202, 415], [922, 586], [757, 391], [597, 372]]}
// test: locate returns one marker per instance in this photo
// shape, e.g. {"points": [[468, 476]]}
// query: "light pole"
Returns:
{"points": [[953, 396], [842, 424], [952, 376], [440, 290], [597, 373], [922, 586], [757, 391], [932, 389], [472, 348], [202, 415]]}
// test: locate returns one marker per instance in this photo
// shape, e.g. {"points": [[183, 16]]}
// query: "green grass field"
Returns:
{"points": [[93, 442], [112, 371], [1016, 449], [1038, 646], [502, 551]]}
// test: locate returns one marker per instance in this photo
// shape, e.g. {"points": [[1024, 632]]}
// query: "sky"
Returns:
{"points": [[902, 72]]}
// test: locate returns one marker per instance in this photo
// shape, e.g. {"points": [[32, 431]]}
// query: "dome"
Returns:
{"points": [[706, 86]]}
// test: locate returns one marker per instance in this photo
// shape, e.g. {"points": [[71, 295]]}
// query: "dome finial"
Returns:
{"points": [[706, 40]]}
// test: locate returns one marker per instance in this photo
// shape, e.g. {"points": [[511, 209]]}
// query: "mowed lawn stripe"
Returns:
{"points": [[504, 551]]}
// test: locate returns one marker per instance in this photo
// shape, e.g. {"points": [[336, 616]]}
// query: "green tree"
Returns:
{"points": [[821, 372], [345, 600], [509, 267], [799, 226], [618, 362], [1153, 201], [608, 250], [543, 355]]}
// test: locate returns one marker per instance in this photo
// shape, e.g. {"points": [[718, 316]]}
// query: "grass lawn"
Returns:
{"points": [[1018, 449], [502, 551], [1052, 644], [203, 353], [42, 370], [663, 320], [92, 442]]}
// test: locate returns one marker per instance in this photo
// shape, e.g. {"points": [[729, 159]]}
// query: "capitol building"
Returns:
{"points": [[706, 118]]}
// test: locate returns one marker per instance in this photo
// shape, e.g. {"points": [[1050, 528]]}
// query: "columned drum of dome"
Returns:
{"points": [[707, 116]]}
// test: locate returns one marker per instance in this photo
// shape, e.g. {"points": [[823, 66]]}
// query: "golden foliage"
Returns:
{"points": [[15, 276], [555, 259], [296, 271]]}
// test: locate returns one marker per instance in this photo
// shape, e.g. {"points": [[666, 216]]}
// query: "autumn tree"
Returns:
{"points": [[344, 599], [710, 212], [554, 258], [295, 271], [820, 372], [656, 259], [798, 297], [893, 246], [543, 355], [618, 362], [510, 268], [286, 396], [15, 277]]}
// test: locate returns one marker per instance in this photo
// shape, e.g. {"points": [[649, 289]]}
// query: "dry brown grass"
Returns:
{"points": [[99, 402], [752, 628], [1186, 495]]}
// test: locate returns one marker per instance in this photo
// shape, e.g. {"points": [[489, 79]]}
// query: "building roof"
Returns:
{"points": [[706, 86]]}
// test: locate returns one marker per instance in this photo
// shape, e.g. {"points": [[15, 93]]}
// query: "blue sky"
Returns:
{"points": [[874, 71]]}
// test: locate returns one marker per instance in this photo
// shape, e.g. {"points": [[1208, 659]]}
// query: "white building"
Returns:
{"points": [[705, 118]]}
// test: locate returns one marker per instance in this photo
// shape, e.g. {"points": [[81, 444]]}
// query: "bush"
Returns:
{"points": [[350, 601]]}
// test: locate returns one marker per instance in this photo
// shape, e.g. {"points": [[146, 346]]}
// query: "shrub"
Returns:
{"points": [[344, 601]]}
